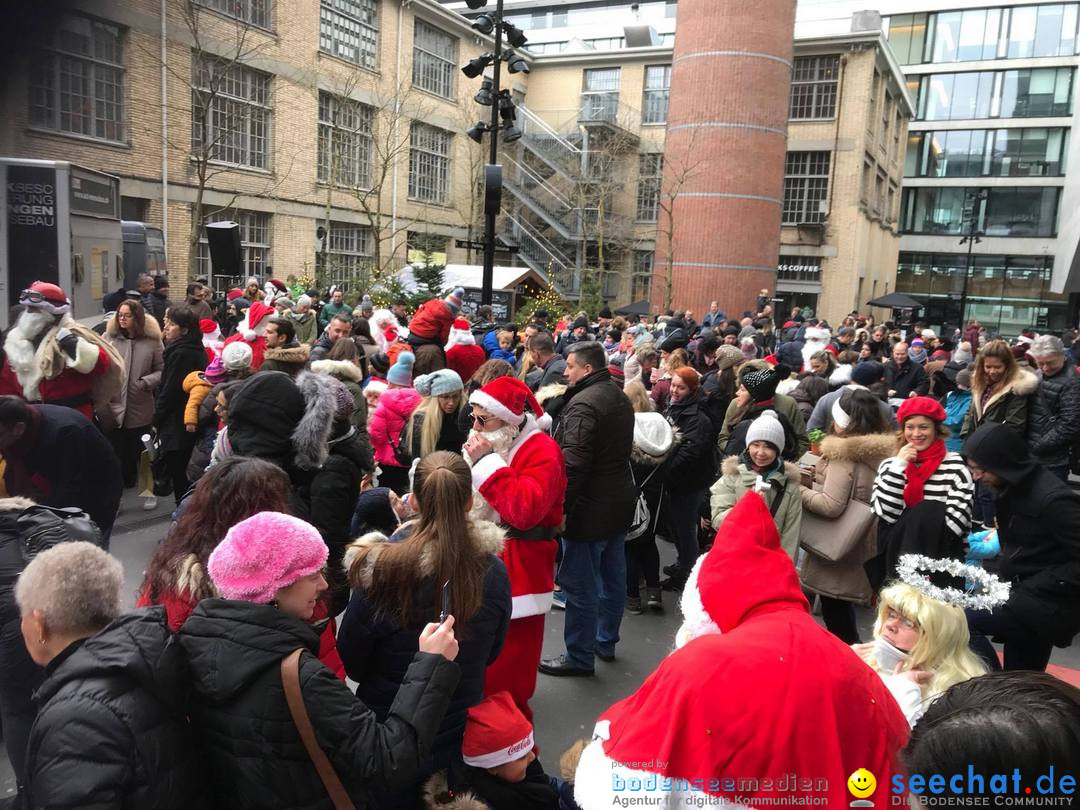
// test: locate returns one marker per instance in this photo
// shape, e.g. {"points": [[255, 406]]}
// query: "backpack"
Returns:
{"points": [[643, 518], [42, 527]]}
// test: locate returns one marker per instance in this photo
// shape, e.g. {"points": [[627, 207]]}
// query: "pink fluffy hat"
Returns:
{"points": [[263, 554]]}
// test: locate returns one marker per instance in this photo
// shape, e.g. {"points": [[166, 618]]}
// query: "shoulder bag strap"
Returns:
{"points": [[290, 680]]}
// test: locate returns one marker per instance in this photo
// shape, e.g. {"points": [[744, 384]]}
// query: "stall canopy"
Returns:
{"points": [[896, 301], [637, 308], [471, 276]]}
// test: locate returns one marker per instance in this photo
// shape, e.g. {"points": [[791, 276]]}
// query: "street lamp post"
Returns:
{"points": [[972, 237]]}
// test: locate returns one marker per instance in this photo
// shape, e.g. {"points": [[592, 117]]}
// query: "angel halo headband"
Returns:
{"points": [[914, 570]]}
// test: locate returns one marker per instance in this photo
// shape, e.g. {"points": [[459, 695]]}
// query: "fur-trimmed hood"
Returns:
{"points": [[437, 796], [151, 330], [731, 464], [550, 392], [1023, 384], [297, 354], [342, 369], [487, 536], [15, 504], [869, 449], [192, 580], [311, 436]]}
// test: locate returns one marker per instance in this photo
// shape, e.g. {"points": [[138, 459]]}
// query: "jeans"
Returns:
{"points": [[1023, 649], [593, 578], [684, 512]]}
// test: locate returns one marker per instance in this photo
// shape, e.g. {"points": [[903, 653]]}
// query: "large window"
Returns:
{"points": [[641, 276], [1033, 152], [988, 33], [77, 84], [1022, 211], [657, 89], [434, 60], [345, 142], [349, 29], [230, 109], [347, 261], [799, 268], [806, 187], [600, 94], [650, 178], [813, 87], [996, 94], [254, 242], [429, 163], [254, 12]]}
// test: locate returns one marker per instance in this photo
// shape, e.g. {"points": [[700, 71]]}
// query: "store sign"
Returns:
{"points": [[33, 251], [94, 195]]}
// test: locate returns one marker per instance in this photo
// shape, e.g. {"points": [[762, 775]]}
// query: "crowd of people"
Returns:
{"points": [[401, 498]]}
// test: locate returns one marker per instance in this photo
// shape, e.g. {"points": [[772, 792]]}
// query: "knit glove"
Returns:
{"points": [[69, 342], [983, 545]]}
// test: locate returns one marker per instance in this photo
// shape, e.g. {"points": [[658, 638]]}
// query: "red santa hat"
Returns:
{"points": [[258, 312], [460, 334], [45, 296], [496, 732], [509, 399], [208, 326], [234, 293]]}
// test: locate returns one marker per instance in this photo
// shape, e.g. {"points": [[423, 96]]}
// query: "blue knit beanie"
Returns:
{"points": [[401, 372], [437, 383]]}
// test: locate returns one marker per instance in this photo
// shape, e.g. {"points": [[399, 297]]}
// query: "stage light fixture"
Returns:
{"points": [[476, 132], [476, 66], [484, 23], [511, 132], [515, 63], [514, 35]]}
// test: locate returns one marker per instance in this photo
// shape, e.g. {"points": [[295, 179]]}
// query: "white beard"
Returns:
{"points": [[21, 345], [501, 441]]}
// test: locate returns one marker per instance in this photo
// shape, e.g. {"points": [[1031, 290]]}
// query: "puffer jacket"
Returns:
{"points": [[737, 479], [197, 387], [255, 756], [596, 431], [846, 472], [385, 427], [1054, 416], [111, 729], [377, 650], [133, 407], [1008, 405], [693, 464]]}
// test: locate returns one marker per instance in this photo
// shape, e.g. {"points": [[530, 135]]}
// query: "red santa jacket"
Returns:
{"points": [[527, 491], [71, 388], [258, 348]]}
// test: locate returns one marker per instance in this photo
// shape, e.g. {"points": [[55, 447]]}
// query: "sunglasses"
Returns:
{"points": [[31, 297], [483, 420]]}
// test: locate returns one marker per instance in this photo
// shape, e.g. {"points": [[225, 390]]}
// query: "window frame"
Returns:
{"points": [[650, 186], [333, 18], [800, 181], [650, 105], [637, 275], [332, 132], [439, 162], [264, 22], [822, 88], [252, 223], [259, 87], [354, 261], [432, 60]]}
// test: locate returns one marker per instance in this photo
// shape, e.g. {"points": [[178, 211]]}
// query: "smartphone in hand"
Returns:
{"points": [[445, 601]]}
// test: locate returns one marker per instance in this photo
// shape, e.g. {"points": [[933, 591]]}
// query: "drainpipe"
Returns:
{"points": [[164, 134], [396, 124]]}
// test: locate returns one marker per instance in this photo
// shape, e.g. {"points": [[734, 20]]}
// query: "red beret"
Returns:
{"points": [[921, 406]]}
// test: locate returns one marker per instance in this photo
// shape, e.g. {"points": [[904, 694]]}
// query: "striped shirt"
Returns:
{"points": [[950, 483]]}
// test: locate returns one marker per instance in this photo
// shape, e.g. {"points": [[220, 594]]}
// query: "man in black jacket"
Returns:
{"points": [[595, 432], [1054, 410], [904, 378], [552, 364], [1039, 529], [57, 457]]}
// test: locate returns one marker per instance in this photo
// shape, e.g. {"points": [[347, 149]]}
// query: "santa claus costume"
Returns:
{"points": [[758, 701], [462, 353], [51, 358], [525, 486], [211, 338], [253, 330]]}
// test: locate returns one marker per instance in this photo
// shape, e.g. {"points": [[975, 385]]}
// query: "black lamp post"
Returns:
{"points": [[972, 237], [491, 94]]}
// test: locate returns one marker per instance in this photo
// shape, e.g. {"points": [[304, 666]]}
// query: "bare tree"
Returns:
{"points": [[678, 172]]}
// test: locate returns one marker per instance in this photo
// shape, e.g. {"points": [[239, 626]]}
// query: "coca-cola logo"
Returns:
{"points": [[517, 748]]}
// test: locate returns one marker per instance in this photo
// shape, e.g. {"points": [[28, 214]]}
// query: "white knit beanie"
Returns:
{"points": [[766, 428]]}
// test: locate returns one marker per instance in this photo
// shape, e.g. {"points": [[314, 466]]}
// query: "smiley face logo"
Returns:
{"points": [[862, 784]]}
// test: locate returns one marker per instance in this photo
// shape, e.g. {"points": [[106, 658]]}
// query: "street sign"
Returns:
{"points": [[465, 244]]}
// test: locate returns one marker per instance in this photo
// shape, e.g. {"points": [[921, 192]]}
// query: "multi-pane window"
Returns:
{"points": [[600, 94], [429, 163], [813, 87], [434, 60], [349, 29], [77, 83], [657, 89], [345, 141], [1028, 93], [609, 284], [230, 112], [1028, 152], [254, 244], [907, 37], [650, 177], [806, 187], [641, 277], [1006, 211], [798, 268], [254, 12], [347, 260]]}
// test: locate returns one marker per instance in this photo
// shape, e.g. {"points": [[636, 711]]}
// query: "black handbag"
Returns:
{"points": [[42, 527]]}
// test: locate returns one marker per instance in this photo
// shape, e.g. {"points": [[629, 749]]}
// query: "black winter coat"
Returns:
{"points": [[693, 464], [907, 378], [111, 730], [255, 754], [377, 651], [263, 413], [596, 432], [181, 357], [1054, 416], [1038, 519]]}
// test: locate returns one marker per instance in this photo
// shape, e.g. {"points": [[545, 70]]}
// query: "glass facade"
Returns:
{"points": [[1021, 32], [995, 94], [1032, 152], [1004, 293], [1006, 211]]}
